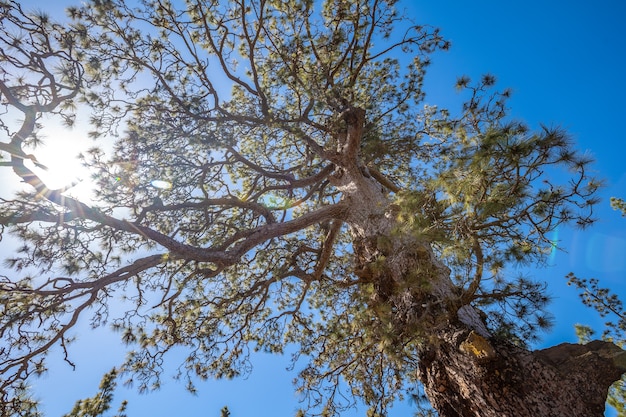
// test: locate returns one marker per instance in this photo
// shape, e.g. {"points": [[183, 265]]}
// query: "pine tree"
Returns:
{"points": [[619, 204], [276, 180], [101, 401], [609, 306]]}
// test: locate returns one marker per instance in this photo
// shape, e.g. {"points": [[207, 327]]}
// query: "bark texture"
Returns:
{"points": [[465, 372], [469, 375]]}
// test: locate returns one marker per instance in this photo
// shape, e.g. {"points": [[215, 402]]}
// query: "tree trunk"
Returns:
{"points": [[467, 374], [465, 371]]}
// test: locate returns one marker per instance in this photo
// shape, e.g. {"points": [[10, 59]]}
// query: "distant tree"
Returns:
{"points": [[276, 181], [618, 204], [101, 402], [609, 306]]}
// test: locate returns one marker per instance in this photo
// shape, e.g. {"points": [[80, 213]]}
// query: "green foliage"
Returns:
{"points": [[485, 204], [618, 204], [602, 300], [607, 304], [101, 401], [229, 213]]}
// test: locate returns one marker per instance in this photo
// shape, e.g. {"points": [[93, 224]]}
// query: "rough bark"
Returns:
{"points": [[469, 375], [465, 371]]}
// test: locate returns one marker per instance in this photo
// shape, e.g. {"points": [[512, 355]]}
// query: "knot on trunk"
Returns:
{"points": [[477, 346]]}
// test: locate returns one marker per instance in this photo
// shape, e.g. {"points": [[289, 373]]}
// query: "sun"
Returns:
{"points": [[69, 174], [55, 159], [64, 169]]}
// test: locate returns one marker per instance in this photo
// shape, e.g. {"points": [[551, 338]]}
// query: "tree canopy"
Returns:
{"points": [[275, 181]]}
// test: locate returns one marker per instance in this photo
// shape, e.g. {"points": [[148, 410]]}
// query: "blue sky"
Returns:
{"points": [[566, 64]]}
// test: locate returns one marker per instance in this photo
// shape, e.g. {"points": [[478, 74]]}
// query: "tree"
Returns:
{"points": [[607, 304], [316, 204], [101, 402], [618, 204]]}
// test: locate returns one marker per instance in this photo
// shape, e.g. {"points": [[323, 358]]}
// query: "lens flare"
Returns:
{"points": [[605, 253], [161, 184]]}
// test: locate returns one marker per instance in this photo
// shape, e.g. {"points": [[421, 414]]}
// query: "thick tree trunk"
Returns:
{"points": [[465, 371], [467, 374]]}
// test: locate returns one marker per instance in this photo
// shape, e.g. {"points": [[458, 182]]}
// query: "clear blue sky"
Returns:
{"points": [[566, 63]]}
